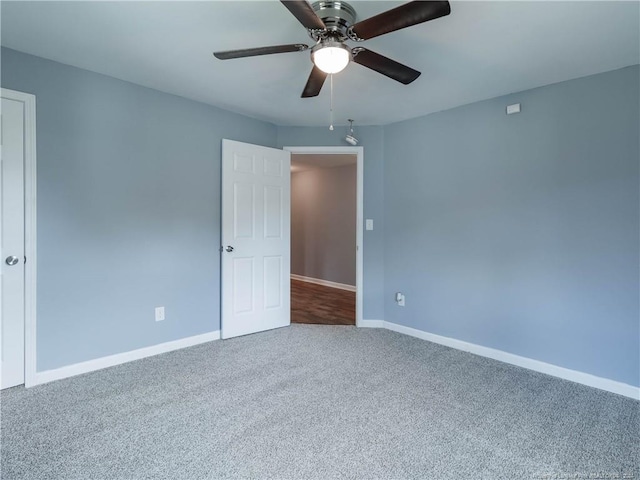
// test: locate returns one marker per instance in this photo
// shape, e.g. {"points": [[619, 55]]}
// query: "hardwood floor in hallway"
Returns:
{"points": [[311, 303]]}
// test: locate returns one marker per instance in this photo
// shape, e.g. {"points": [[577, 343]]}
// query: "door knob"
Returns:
{"points": [[229, 248], [12, 260]]}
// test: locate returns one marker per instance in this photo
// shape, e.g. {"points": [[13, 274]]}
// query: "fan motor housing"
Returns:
{"points": [[337, 15]]}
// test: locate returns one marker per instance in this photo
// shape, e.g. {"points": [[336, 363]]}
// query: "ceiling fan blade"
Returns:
{"points": [[384, 65], [406, 15], [253, 52], [314, 84], [304, 13]]}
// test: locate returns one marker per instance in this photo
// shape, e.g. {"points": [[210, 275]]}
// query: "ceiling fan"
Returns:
{"points": [[331, 23]]}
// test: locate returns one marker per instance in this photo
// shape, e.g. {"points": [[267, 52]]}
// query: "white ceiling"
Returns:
{"points": [[301, 162], [482, 50]]}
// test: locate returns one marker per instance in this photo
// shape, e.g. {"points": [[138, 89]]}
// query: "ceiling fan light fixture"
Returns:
{"points": [[331, 56], [330, 23]]}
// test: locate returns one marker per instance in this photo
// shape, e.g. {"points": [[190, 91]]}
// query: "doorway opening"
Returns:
{"points": [[326, 238]]}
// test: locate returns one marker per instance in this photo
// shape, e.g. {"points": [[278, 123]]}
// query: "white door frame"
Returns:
{"points": [[30, 267], [359, 152]]}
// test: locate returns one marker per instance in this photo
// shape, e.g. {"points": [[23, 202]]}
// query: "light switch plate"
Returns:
{"points": [[369, 224]]}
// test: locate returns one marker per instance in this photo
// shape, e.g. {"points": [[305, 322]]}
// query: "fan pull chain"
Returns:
{"points": [[331, 102]]}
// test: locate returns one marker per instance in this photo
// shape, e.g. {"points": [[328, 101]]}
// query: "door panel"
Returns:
{"points": [[272, 209], [256, 224], [272, 285], [243, 285], [12, 235], [244, 210]]}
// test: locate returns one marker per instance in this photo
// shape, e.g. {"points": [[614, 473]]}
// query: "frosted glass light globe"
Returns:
{"points": [[331, 59]]}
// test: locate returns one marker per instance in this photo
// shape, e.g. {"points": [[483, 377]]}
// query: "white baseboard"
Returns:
{"points": [[371, 324], [119, 358], [524, 362], [326, 283]]}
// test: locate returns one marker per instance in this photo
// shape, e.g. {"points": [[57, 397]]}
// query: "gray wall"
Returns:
{"points": [[128, 210], [520, 232], [323, 224], [372, 139]]}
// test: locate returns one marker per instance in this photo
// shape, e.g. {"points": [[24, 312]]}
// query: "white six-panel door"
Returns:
{"points": [[256, 183], [12, 243]]}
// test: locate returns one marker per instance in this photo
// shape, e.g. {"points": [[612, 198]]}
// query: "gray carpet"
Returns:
{"points": [[317, 402]]}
